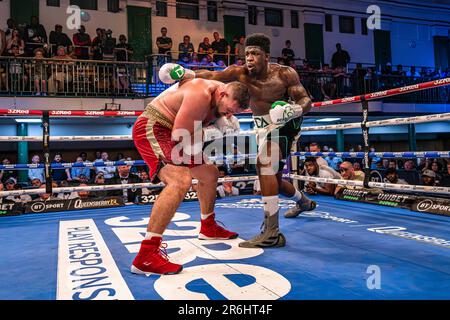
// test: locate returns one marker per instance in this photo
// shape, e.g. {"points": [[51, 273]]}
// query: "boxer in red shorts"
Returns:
{"points": [[168, 135]]}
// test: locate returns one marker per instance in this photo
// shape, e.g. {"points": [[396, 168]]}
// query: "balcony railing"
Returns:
{"points": [[84, 78]]}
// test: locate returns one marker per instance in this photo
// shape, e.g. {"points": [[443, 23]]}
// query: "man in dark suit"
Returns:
{"points": [[123, 176]]}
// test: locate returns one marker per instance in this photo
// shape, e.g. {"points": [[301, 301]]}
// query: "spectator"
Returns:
{"points": [[47, 196], [185, 48], [445, 182], [38, 72], [100, 180], [357, 166], [239, 49], [58, 38], [315, 147], [391, 176], [413, 73], [108, 171], [124, 177], [11, 185], [348, 173], [82, 42], [123, 49], [61, 76], [35, 36], [428, 178], [15, 40], [409, 165], [203, 48], [226, 189], [10, 26], [6, 174], [108, 46], [399, 71], [2, 42], [164, 44], [37, 173], [61, 174], [340, 58], [392, 164], [98, 156], [80, 173], [85, 194], [120, 156], [334, 162], [36, 182], [437, 169], [287, 53], [313, 169], [281, 61], [97, 44], [220, 47], [66, 195]]}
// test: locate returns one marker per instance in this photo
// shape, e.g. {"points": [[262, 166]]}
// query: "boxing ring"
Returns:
{"points": [[341, 250]]}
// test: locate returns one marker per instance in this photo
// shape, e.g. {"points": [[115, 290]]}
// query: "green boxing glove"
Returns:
{"points": [[282, 112], [172, 72]]}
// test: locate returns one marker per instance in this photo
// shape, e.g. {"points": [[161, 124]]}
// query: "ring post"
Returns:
{"points": [[365, 132], [46, 148]]}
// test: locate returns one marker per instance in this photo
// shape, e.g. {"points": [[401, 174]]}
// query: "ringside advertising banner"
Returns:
{"points": [[72, 204], [414, 203], [9, 208]]}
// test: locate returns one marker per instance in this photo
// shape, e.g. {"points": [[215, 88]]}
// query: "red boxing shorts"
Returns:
{"points": [[152, 135]]}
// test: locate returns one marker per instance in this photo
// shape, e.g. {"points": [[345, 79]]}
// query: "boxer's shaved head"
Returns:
{"points": [[239, 93]]}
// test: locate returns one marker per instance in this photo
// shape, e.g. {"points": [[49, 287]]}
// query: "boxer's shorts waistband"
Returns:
{"points": [[152, 113]]}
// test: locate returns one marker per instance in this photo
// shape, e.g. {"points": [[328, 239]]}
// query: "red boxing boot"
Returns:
{"points": [[153, 258], [210, 230]]}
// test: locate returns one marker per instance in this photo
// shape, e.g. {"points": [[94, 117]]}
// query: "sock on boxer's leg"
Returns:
{"points": [[270, 204], [297, 196], [149, 235], [206, 216]]}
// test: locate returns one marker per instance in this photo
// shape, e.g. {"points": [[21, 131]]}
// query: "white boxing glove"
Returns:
{"points": [[172, 72], [282, 112]]}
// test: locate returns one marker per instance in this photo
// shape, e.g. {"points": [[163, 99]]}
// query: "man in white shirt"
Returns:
{"points": [[108, 171], [313, 169], [315, 147]]}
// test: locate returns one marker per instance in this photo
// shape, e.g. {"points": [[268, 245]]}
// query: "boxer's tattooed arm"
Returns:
{"points": [[295, 89], [232, 73]]}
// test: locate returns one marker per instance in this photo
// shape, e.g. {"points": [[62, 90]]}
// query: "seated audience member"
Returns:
{"points": [[392, 164], [66, 195], [100, 180], [313, 169], [37, 173], [15, 40], [60, 174], [349, 173], [333, 162], [6, 174], [391, 176], [445, 182], [409, 165], [428, 178], [36, 182], [78, 172], [58, 38], [315, 147], [108, 171], [48, 196], [85, 194], [437, 169], [124, 177], [357, 166], [11, 185], [226, 189]]}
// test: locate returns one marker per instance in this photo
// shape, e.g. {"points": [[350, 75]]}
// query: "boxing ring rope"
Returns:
{"points": [[344, 126], [380, 185], [227, 159], [364, 125], [112, 187]]}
